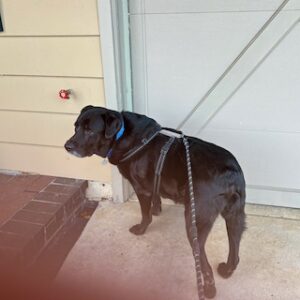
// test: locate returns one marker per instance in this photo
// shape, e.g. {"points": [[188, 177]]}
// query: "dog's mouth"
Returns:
{"points": [[75, 153], [78, 153]]}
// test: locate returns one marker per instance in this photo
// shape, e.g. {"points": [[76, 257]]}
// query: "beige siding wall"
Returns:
{"points": [[47, 46]]}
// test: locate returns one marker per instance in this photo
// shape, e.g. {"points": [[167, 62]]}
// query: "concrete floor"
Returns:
{"points": [[160, 265]]}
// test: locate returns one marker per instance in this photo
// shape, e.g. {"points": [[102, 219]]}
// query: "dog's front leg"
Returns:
{"points": [[145, 203]]}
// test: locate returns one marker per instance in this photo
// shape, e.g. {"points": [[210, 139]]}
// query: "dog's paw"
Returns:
{"points": [[138, 229], [210, 291], [224, 270], [156, 210]]}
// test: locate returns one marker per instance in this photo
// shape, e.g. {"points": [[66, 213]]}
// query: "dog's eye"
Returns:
{"points": [[88, 131]]}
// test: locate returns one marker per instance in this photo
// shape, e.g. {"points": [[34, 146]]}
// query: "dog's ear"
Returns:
{"points": [[86, 108], [113, 124]]}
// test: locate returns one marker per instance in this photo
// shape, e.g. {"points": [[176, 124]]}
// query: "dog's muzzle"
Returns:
{"points": [[71, 148]]}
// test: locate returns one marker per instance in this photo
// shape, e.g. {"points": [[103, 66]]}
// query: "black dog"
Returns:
{"points": [[219, 185]]}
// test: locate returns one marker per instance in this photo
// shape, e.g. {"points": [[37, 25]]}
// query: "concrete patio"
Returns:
{"points": [[159, 264]]}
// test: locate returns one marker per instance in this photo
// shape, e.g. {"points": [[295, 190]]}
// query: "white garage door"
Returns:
{"points": [[231, 71]]}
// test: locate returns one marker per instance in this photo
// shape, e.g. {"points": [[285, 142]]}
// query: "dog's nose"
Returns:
{"points": [[69, 146]]}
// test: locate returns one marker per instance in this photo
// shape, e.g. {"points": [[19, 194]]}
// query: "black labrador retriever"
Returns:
{"points": [[219, 185]]}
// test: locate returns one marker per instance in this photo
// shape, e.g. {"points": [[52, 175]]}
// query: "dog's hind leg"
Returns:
{"points": [[235, 223], [203, 230]]}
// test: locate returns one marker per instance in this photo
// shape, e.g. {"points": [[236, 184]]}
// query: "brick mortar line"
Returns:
{"points": [[47, 242], [23, 221]]}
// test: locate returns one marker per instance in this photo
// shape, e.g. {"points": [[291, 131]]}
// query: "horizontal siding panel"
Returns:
{"points": [[54, 56], [41, 94], [192, 6], [50, 17], [36, 128], [52, 161], [267, 158]]}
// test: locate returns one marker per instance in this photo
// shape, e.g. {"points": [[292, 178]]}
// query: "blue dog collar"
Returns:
{"points": [[118, 136], [121, 131]]}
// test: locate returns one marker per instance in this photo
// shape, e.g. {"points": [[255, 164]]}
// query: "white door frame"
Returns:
{"points": [[115, 53]]}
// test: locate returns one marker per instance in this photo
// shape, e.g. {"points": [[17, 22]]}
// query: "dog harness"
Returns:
{"points": [[159, 167], [193, 231]]}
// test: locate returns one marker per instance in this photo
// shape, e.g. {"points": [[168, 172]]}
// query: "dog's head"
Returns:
{"points": [[95, 131]]}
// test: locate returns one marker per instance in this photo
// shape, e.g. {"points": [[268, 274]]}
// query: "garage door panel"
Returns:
{"points": [[36, 128], [40, 94], [268, 159], [52, 161], [190, 51], [269, 99], [51, 56], [273, 197], [185, 54], [192, 6], [54, 17]]}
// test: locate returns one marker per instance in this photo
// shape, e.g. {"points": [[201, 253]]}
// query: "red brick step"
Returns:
{"points": [[55, 202]]}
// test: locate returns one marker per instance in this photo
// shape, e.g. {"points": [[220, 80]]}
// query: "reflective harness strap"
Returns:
{"points": [[193, 229], [160, 163], [157, 180], [132, 152]]}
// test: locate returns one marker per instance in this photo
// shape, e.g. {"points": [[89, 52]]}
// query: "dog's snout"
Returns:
{"points": [[69, 146]]}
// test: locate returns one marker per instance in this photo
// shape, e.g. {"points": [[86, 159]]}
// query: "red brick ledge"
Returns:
{"points": [[27, 233]]}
